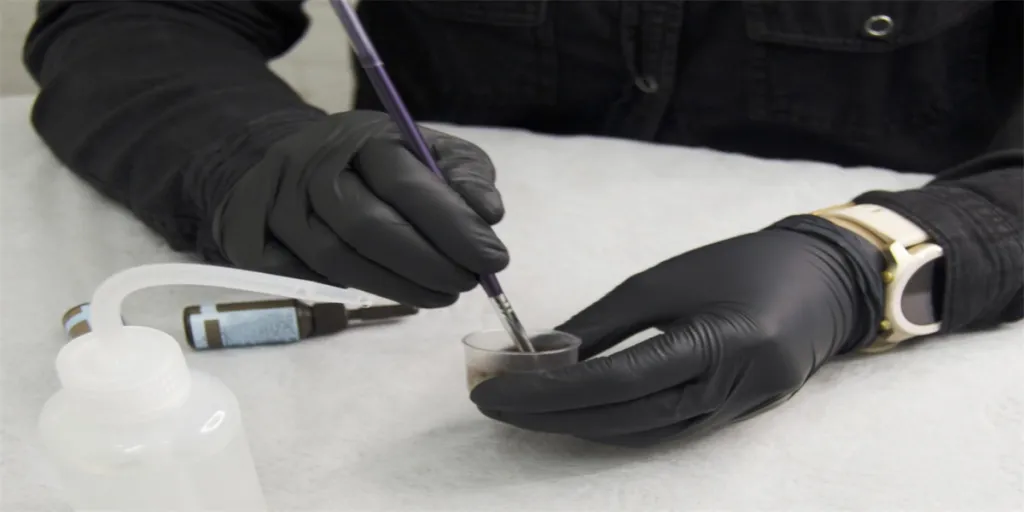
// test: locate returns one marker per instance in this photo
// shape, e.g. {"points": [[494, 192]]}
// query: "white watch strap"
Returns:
{"points": [[884, 223]]}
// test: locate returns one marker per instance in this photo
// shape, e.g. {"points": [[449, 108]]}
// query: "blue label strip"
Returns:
{"points": [[246, 327], [82, 315]]}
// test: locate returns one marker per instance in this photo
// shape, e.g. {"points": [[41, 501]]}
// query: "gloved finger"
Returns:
{"points": [[721, 414], [381, 235], [278, 260], [361, 273], [263, 253], [615, 317], [690, 427], [241, 234], [469, 171], [659, 363], [661, 409], [324, 252], [396, 176]]}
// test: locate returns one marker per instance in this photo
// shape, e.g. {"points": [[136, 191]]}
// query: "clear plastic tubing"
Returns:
{"points": [[133, 427]]}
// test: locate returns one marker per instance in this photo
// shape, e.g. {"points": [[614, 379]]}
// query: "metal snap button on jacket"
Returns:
{"points": [[878, 26]]}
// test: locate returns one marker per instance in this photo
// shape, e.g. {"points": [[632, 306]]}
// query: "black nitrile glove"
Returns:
{"points": [[344, 202], [745, 323]]}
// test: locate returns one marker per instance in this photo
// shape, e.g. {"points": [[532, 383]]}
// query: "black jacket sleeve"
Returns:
{"points": [[156, 104], [974, 210]]}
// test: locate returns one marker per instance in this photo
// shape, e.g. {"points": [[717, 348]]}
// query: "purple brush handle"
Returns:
{"points": [[387, 94]]}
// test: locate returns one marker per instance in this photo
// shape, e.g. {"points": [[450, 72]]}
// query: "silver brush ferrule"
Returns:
{"points": [[511, 323]]}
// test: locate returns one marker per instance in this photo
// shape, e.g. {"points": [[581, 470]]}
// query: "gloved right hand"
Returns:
{"points": [[343, 201]]}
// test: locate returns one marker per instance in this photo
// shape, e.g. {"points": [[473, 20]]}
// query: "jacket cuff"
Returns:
{"points": [[982, 249]]}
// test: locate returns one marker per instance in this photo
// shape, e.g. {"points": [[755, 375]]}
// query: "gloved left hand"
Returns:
{"points": [[745, 323]]}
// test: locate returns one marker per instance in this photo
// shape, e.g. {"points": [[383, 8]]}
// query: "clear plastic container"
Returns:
{"points": [[187, 451], [133, 428], [492, 353]]}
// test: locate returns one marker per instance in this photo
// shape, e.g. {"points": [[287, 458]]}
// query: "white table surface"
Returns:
{"points": [[378, 418]]}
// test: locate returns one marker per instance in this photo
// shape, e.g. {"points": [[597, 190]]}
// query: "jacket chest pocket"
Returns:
{"points": [[491, 53], [869, 69]]}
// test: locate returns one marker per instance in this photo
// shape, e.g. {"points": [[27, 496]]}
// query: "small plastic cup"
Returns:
{"points": [[492, 353]]}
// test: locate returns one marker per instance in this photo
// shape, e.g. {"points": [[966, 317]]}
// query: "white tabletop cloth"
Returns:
{"points": [[378, 418]]}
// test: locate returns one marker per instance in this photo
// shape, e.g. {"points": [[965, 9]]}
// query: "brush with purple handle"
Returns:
{"points": [[387, 94]]}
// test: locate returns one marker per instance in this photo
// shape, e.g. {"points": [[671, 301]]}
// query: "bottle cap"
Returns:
{"points": [[135, 373]]}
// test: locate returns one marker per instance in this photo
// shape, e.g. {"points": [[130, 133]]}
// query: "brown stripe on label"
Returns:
{"points": [[263, 304], [212, 330], [72, 312], [78, 329]]}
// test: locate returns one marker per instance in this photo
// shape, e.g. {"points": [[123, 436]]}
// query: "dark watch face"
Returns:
{"points": [[921, 296]]}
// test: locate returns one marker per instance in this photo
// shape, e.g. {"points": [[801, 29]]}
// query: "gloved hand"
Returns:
{"points": [[343, 201], [745, 323]]}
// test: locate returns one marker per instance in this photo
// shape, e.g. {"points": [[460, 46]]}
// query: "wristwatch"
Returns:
{"points": [[911, 308]]}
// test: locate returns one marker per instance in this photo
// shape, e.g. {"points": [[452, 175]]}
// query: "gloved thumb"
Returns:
{"points": [[606, 322]]}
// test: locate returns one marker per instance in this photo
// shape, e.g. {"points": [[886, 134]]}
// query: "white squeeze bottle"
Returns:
{"points": [[133, 428]]}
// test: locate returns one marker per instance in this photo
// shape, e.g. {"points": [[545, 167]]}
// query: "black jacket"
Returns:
{"points": [[137, 96]]}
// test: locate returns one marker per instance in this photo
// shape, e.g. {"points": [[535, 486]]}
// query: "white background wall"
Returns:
{"points": [[318, 67]]}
